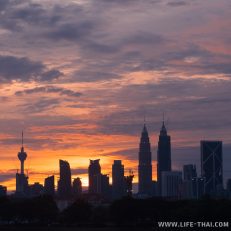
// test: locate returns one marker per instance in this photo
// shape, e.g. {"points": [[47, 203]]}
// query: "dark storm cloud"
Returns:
{"points": [[203, 61], [188, 50], [93, 76], [32, 13], [8, 175], [18, 12], [13, 68], [177, 3], [146, 38], [49, 89], [206, 62], [35, 143], [74, 23], [127, 3], [3, 4], [119, 1], [190, 58], [40, 105], [8, 12], [71, 31], [100, 48], [188, 103], [25, 16], [31, 120], [23, 69], [130, 154], [51, 75], [85, 28]]}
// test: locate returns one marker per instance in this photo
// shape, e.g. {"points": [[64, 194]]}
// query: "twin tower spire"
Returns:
{"points": [[146, 185]]}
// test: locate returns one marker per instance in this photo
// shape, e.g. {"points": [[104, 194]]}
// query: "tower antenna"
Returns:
{"points": [[22, 138], [144, 116]]}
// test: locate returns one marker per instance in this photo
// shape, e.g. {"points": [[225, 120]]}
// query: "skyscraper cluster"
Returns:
{"points": [[68, 188], [175, 184], [170, 183]]}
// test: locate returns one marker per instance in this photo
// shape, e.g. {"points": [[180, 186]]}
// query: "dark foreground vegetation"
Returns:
{"points": [[127, 212]]}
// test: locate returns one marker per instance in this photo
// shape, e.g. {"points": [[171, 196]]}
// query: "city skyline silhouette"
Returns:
{"points": [[144, 158], [79, 77], [115, 114]]}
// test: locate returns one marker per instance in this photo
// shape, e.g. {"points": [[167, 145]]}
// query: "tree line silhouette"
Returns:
{"points": [[124, 212]]}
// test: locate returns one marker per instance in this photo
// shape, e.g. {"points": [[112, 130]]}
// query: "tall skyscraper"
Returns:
{"points": [[171, 184], [49, 186], [21, 179], [212, 166], [163, 155], [118, 182], [77, 187], [64, 183], [145, 164], [93, 170]]}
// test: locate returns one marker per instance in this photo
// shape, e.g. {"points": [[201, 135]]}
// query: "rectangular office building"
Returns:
{"points": [[171, 184], [211, 166]]}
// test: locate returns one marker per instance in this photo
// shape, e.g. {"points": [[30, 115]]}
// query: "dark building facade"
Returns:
{"points": [[64, 183], [128, 184], [228, 188], [211, 166], [36, 189], [49, 186], [163, 156], [77, 187], [93, 170], [145, 164], [228, 185], [171, 184], [3, 191], [118, 182], [189, 171], [102, 186], [198, 187]]}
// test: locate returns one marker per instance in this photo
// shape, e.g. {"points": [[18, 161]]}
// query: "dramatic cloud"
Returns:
{"points": [[93, 76], [72, 31], [7, 175], [80, 76], [49, 89], [23, 69], [177, 3], [40, 105]]}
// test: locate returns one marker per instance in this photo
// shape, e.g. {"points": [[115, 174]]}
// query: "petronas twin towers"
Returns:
{"points": [[145, 164], [145, 160]]}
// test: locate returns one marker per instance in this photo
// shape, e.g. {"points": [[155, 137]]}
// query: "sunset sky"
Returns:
{"points": [[78, 76]]}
